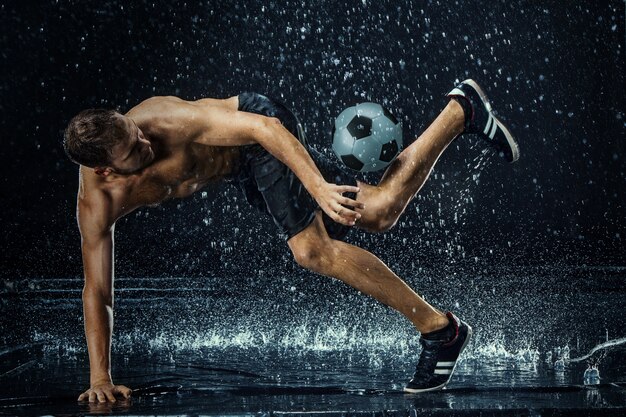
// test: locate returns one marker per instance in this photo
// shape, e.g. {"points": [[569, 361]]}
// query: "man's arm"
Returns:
{"points": [[210, 122], [96, 226], [220, 126]]}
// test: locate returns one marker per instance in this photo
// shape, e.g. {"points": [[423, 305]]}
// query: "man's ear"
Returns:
{"points": [[102, 171]]}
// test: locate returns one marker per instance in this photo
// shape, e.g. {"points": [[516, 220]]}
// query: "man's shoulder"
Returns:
{"points": [[176, 121], [159, 117], [157, 106], [101, 197], [163, 105]]}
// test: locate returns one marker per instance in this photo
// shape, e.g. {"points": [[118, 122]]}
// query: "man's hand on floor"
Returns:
{"points": [[105, 392]]}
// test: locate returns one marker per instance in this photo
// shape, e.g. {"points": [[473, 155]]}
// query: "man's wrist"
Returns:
{"points": [[100, 379], [318, 185]]}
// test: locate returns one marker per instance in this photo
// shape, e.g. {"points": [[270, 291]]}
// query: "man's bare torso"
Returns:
{"points": [[180, 167]]}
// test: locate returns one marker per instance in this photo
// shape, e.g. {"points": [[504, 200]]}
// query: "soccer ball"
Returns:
{"points": [[367, 137]]}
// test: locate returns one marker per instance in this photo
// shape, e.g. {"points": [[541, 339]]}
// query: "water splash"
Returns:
{"points": [[591, 375], [601, 346]]}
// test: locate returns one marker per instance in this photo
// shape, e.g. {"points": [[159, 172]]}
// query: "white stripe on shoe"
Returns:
{"points": [[443, 371], [480, 92], [456, 92], [445, 364], [510, 140], [494, 128], [489, 121]]}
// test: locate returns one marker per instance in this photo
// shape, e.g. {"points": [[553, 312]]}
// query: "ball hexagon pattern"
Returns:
{"points": [[367, 137]]}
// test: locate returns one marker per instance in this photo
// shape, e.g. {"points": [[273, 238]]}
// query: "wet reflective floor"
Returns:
{"points": [[230, 347], [247, 382]]}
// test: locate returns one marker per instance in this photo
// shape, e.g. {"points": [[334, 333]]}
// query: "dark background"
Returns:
{"points": [[554, 71]]}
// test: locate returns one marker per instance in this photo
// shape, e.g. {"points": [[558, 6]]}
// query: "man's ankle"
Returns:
{"points": [[438, 323], [465, 107]]}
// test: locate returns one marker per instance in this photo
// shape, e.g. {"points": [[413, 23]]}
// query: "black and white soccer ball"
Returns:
{"points": [[367, 137]]}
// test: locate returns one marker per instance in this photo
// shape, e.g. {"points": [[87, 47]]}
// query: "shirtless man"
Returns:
{"points": [[166, 147]]}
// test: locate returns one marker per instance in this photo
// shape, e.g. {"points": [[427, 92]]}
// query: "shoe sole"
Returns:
{"points": [[507, 134], [442, 386]]}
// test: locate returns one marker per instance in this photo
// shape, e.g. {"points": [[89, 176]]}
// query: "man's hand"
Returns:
{"points": [[331, 200], [104, 392]]}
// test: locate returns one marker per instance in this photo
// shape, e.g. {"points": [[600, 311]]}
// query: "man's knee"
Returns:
{"points": [[382, 210], [385, 223], [308, 256], [382, 219], [312, 251]]}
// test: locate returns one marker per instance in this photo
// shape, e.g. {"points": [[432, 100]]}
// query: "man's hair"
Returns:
{"points": [[91, 135]]}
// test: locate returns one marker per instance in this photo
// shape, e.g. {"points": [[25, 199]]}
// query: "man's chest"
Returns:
{"points": [[182, 173]]}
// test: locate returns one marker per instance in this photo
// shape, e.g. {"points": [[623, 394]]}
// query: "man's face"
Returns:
{"points": [[134, 153]]}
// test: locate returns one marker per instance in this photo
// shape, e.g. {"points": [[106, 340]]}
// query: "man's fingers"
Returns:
{"points": [[346, 200], [125, 391], [342, 220], [350, 202], [110, 396], [346, 212], [332, 213], [341, 214], [101, 396], [348, 189], [106, 394], [347, 216]]}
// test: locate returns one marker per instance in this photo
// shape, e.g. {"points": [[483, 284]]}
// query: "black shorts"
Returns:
{"points": [[273, 188]]}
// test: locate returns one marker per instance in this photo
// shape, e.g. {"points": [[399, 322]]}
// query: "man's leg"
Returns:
{"points": [[385, 202], [315, 250], [443, 337], [468, 111]]}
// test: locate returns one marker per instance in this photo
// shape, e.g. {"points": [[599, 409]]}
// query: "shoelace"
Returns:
{"points": [[428, 359]]}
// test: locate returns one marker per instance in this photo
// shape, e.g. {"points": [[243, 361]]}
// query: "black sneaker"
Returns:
{"points": [[482, 121], [438, 358]]}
